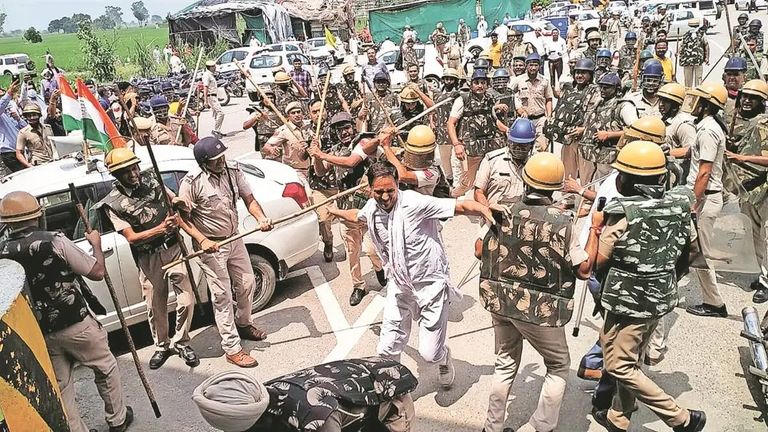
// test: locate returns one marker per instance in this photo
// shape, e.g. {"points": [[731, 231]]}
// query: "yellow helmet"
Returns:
{"points": [[641, 158], [755, 87], [451, 73], [18, 207], [120, 158], [648, 128], [143, 123], [544, 171], [419, 147], [713, 92], [348, 69], [409, 95], [672, 91], [282, 78]]}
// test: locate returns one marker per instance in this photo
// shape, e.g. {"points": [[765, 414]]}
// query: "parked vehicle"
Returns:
{"points": [[432, 70], [233, 83], [744, 4], [319, 49], [16, 64], [590, 21], [679, 23], [226, 62], [263, 67], [275, 186]]}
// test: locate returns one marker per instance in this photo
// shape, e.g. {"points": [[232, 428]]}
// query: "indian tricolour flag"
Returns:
{"points": [[71, 113], [97, 126]]}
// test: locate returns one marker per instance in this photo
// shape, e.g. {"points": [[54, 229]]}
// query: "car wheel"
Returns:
{"points": [[265, 282]]}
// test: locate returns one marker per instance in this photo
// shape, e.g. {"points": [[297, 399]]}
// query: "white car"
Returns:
{"points": [[15, 64], [589, 20], [432, 70], [679, 22], [275, 186], [263, 67], [744, 4], [226, 61], [318, 48], [528, 28]]}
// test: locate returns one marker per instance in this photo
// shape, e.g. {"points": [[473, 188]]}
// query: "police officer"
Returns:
{"points": [[754, 30], [208, 197], [290, 140], [613, 29], [334, 101], [593, 42], [350, 90], [635, 296], [210, 98], [450, 91], [508, 51], [740, 29], [747, 168], [681, 132], [534, 98], [34, 139], [705, 179], [417, 170], [412, 103], [646, 99], [694, 53], [518, 68], [351, 399], [569, 113], [734, 77], [500, 175], [482, 64], [286, 91], [503, 94], [528, 305], [477, 134], [603, 60], [372, 114], [628, 54], [166, 127], [54, 267], [264, 122], [345, 164], [138, 209], [603, 126]]}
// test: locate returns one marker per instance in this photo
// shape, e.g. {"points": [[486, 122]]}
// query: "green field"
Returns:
{"points": [[65, 48]]}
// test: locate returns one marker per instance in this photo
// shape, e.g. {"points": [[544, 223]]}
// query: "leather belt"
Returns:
{"points": [[535, 117], [711, 192]]}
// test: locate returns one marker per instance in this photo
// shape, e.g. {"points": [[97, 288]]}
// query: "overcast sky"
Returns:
{"points": [[23, 14]]}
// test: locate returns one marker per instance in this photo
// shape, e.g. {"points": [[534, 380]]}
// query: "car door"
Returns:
{"points": [[61, 215]]}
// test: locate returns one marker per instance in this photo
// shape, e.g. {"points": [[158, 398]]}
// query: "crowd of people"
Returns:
{"points": [[639, 154]]}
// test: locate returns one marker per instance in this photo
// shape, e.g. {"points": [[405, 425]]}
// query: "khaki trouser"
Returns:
{"points": [[758, 215], [218, 113], [154, 286], [692, 75], [623, 339], [542, 143], [707, 214], [86, 343], [551, 344], [229, 270], [586, 168], [397, 415], [464, 180], [570, 156], [445, 152], [657, 343], [352, 233], [573, 44], [324, 218]]}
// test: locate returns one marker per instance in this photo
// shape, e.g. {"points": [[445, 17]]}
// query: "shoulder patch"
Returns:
{"points": [[428, 173]]}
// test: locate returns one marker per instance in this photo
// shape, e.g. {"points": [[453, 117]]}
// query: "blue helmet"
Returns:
{"points": [[500, 73], [482, 63], [166, 86], [604, 52], [652, 67], [208, 148], [158, 101], [522, 132], [736, 64], [610, 78], [585, 65], [533, 57], [630, 36], [479, 74]]}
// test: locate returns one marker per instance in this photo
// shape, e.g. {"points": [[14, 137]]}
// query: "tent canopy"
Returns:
{"points": [[423, 15]]}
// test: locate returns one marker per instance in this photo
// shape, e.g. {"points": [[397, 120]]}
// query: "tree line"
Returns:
{"points": [[110, 19]]}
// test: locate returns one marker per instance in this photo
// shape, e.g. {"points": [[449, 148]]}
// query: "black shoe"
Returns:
{"points": [[760, 296], [328, 252], [601, 417], [755, 285], [381, 277], [356, 297], [159, 358], [706, 310], [128, 420], [695, 424], [188, 355]]}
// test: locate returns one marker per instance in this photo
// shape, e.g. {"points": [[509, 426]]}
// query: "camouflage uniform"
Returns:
{"points": [[639, 285], [440, 118], [351, 93], [377, 119], [371, 387], [596, 156], [507, 54], [759, 37], [333, 103], [568, 115], [753, 187], [284, 96], [627, 58], [463, 34], [264, 129], [161, 133], [506, 97], [527, 283], [692, 50], [409, 57], [590, 53], [140, 209], [752, 71]]}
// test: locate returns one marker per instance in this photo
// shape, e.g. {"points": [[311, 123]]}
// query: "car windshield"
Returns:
{"points": [[317, 43], [266, 61], [706, 5], [524, 28]]}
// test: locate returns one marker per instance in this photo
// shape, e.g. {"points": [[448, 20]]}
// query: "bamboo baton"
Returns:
{"points": [[183, 113], [275, 222], [322, 108], [422, 114], [384, 110], [637, 69], [580, 312], [118, 310], [268, 104]]}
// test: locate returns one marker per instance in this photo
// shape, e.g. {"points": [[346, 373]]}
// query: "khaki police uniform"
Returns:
{"points": [[214, 213], [37, 142], [533, 94], [293, 152], [644, 106], [500, 177], [209, 81]]}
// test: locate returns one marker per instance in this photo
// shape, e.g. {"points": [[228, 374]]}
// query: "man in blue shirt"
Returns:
{"points": [[373, 67], [9, 130]]}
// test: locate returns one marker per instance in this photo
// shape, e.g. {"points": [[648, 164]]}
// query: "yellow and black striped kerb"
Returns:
{"points": [[29, 396]]}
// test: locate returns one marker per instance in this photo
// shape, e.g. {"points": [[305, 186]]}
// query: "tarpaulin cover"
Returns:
{"points": [[423, 15]]}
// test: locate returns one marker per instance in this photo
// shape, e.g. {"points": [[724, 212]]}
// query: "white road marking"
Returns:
{"points": [[347, 336]]}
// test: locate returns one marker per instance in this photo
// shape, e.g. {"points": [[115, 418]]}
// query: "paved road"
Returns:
{"points": [[310, 321]]}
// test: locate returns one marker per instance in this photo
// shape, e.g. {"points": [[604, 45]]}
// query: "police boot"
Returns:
{"points": [[188, 355], [159, 358], [696, 422], [356, 297], [328, 252], [128, 420], [601, 417], [381, 277], [760, 295], [707, 310]]}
